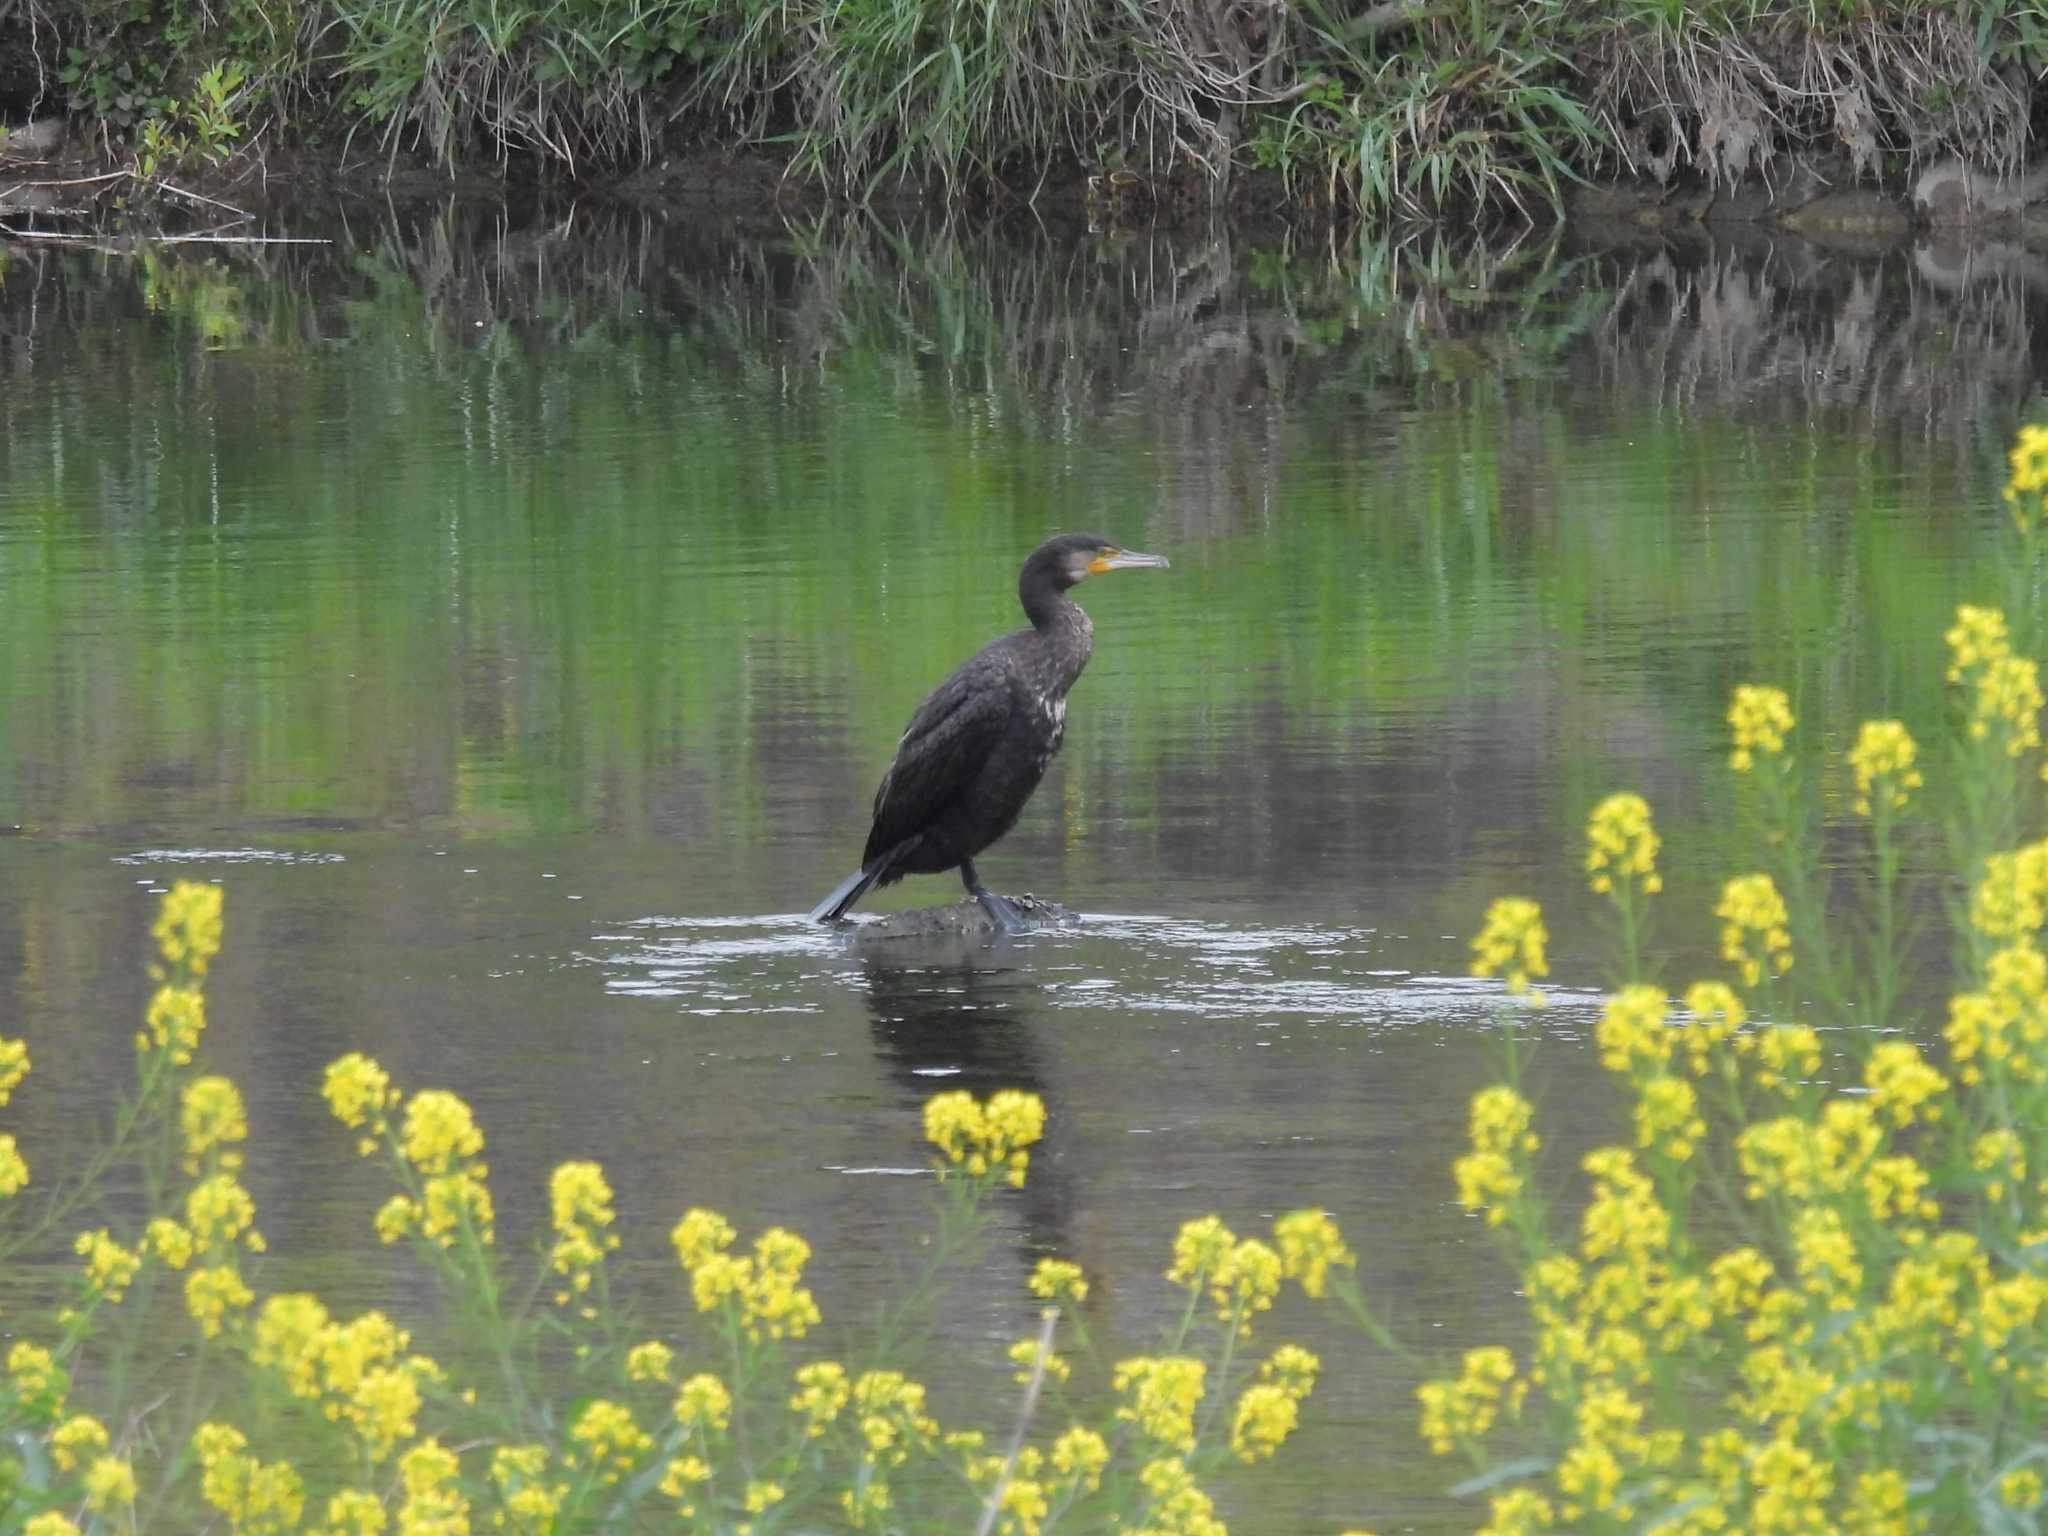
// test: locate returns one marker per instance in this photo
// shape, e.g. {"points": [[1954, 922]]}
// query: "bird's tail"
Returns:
{"points": [[843, 896]]}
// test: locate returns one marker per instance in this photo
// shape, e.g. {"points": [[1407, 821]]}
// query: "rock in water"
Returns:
{"points": [[962, 919]]}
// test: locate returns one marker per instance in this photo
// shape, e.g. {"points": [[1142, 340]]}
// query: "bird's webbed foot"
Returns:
{"points": [[1000, 909]]}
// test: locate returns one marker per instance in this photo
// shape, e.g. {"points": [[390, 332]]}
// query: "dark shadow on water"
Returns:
{"points": [[965, 1013]]}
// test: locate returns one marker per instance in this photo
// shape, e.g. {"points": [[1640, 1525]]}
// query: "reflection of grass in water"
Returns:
{"points": [[650, 515]]}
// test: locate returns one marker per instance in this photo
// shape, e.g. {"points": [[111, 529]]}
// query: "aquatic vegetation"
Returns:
{"points": [[1810, 1292]]}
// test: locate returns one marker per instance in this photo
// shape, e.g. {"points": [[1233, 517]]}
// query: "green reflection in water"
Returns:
{"points": [[600, 550]]}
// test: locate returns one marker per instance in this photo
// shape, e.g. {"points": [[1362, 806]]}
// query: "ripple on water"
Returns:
{"points": [[1104, 963], [227, 856]]}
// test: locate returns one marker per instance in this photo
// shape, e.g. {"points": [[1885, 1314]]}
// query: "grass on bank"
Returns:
{"points": [[1401, 107]]}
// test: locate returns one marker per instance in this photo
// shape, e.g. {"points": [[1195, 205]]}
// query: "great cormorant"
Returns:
{"points": [[979, 744]]}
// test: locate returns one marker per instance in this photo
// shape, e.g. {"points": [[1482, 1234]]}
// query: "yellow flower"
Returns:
{"points": [[1081, 1454], [822, 1392], [582, 1205], [360, 1094], [1160, 1396], [170, 1241], [1246, 1283], [14, 1066], [982, 1138], [682, 1474], [650, 1361], [355, 1512], [49, 1523], [1632, 1035], [75, 1439], [2009, 702], [1179, 1507], [439, 1132], [2021, 1487], [109, 1485], [432, 1506], [212, 1294], [1059, 1280], [1292, 1369], [1902, 1085], [1977, 639], [218, 1212], [1200, 1249], [700, 1234], [1621, 845], [1266, 1415], [2029, 459], [1882, 762], [760, 1495], [1511, 945], [109, 1268], [1023, 1353], [173, 1022], [1490, 1175], [2011, 900], [1465, 1408], [1761, 719], [608, 1439], [187, 928], [13, 1171], [703, 1400], [1755, 930], [1667, 1117], [211, 1117], [37, 1380], [258, 1499], [1309, 1244]]}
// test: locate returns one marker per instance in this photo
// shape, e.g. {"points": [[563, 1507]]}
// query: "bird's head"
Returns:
{"points": [[1074, 557]]}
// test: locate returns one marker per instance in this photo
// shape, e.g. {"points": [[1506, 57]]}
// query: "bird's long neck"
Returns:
{"points": [[1063, 628]]}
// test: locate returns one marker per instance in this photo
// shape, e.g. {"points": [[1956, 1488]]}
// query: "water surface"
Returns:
{"points": [[515, 618]]}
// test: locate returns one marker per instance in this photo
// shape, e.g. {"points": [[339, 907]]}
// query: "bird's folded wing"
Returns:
{"points": [[942, 752]]}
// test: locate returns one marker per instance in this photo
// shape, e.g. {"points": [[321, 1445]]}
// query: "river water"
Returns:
{"points": [[514, 616]]}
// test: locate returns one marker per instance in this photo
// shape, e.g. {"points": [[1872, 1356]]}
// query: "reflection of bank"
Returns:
{"points": [[956, 1013]]}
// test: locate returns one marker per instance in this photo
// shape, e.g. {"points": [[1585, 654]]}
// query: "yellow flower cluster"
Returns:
{"points": [[889, 1411], [1493, 1172], [582, 1204], [1882, 764], [1761, 719], [1024, 1354], [1621, 845], [1511, 945], [434, 1503], [2005, 688], [822, 1393], [358, 1372], [763, 1291], [530, 1496], [2001, 1030], [1160, 1395], [1463, 1408], [606, 1439], [984, 1137], [703, 1403], [258, 1498], [1243, 1277], [75, 1439], [439, 1137], [109, 1267], [649, 1361], [188, 927], [1309, 1244], [1059, 1280], [14, 1066], [2011, 900], [13, 1169], [1178, 1507], [1755, 931], [211, 1124]]}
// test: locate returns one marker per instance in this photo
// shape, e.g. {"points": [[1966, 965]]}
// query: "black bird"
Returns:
{"points": [[979, 744]]}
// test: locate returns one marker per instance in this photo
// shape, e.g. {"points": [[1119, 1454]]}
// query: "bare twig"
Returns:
{"points": [[1025, 1409]]}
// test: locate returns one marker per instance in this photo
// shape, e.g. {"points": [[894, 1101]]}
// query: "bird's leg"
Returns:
{"points": [[1000, 909]]}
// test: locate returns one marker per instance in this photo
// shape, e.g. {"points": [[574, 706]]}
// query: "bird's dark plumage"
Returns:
{"points": [[980, 742]]}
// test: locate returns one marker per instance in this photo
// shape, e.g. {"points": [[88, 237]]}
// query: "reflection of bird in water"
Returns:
{"points": [[943, 1016], [979, 744]]}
